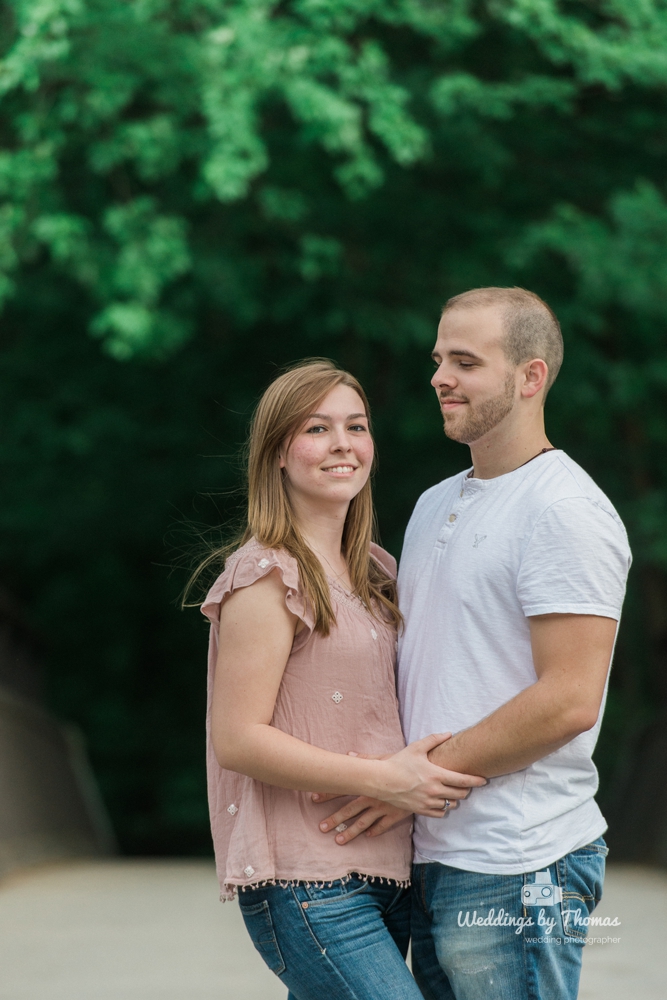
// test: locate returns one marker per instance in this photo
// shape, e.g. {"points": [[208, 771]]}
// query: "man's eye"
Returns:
{"points": [[466, 364]]}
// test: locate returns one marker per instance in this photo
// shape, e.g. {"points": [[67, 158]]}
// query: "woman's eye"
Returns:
{"points": [[316, 429], [356, 427]]}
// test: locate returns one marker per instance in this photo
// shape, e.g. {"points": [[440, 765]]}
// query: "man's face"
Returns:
{"points": [[475, 384]]}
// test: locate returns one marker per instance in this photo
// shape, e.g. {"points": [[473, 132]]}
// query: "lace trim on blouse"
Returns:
{"points": [[317, 883]]}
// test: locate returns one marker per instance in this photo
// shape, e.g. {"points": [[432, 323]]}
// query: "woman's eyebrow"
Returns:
{"points": [[325, 416]]}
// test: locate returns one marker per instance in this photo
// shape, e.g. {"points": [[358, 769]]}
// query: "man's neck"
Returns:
{"points": [[505, 449]]}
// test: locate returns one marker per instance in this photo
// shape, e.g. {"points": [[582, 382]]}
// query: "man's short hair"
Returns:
{"points": [[530, 326]]}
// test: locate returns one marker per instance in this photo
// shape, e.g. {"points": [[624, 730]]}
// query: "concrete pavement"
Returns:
{"points": [[154, 930], [126, 930], [635, 967]]}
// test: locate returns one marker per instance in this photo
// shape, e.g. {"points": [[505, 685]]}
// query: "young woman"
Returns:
{"points": [[301, 671]]}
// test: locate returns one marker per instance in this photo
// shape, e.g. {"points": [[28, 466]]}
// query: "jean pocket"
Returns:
{"points": [[581, 877], [338, 892], [257, 918]]}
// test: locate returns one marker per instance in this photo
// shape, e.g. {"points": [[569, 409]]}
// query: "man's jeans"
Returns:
{"points": [[504, 937], [344, 941]]}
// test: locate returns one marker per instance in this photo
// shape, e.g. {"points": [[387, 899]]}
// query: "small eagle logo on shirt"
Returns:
{"points": [[478, 541]]}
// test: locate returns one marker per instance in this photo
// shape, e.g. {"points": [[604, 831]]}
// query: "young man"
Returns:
{"points": [[511, 582]]}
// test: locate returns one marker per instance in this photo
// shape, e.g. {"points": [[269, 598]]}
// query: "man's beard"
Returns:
{"points": [[485, 415]]}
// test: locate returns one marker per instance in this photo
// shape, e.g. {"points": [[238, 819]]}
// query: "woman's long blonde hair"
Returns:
{"points": [[281, 413]]}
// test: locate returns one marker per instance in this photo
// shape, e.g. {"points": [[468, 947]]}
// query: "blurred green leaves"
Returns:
{"points": [[618, 256], [145, 88], [168, 107]]}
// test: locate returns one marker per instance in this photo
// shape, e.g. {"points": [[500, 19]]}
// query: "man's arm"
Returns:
{"points": [[571, 654]]}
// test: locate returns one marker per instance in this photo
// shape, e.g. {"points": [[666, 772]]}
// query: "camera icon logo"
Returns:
{"points": [[541, 892]]}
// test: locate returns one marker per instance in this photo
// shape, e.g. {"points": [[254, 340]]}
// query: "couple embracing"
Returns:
{"points": [[484, 848]]}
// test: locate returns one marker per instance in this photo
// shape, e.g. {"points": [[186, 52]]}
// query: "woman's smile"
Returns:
{"points": [[341, 470]]}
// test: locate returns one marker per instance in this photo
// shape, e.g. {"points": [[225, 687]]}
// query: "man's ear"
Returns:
{"points": [[535, 374]]}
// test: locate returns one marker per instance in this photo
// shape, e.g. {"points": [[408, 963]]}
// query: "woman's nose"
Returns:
{"points": [[340, 442]]}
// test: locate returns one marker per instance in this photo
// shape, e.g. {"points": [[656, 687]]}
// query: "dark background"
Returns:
{"points": [[196, 193]]}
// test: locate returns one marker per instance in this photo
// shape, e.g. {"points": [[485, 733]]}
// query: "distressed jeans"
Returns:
{"points": [[346, 941], [504, 937]]}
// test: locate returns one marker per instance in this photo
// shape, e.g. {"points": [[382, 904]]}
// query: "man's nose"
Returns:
{"points": [[443, 378]]}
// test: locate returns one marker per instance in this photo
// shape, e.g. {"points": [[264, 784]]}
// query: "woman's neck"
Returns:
{"points": [[322, 530]]}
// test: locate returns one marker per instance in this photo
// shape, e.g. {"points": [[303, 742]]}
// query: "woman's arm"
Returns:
{"points": [[256, 634]]}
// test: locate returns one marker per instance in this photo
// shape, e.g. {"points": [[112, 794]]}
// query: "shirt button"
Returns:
{"points": [[461, 493], [452, 517]]}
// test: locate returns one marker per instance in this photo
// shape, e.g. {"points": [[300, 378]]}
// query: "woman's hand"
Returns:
{"points": [[409, 781]]}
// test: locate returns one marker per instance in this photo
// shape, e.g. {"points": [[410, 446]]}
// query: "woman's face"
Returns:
{"points": [[330, 456]]}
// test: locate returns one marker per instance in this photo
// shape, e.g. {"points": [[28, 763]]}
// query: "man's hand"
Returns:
{"points": [[372, 818], [375, 817]]}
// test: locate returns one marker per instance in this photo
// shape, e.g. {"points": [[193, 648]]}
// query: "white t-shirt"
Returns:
{"points": [[480, 555]]}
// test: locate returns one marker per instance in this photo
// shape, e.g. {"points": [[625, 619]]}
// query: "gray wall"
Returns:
{"points": [[50, 808]]}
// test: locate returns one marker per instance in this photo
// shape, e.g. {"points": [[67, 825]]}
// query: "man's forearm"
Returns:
{"points": [[571, 654], [533, 724]]}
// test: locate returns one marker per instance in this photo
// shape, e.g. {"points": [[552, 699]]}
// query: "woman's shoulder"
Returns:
{"points": [[247, 564], [253, 554], [385, 559]]}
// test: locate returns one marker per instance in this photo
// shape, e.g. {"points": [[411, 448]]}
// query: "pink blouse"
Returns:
{"points": [[337, 693]]}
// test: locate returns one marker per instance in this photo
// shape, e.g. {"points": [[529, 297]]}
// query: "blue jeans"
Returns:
{"points": [[347, 941], [504, 937]]}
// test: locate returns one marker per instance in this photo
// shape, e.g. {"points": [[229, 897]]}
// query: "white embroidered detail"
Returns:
{"points": [[341, 827], [263, 563], [232, 810], [249, 871], [374, 633], [478, 540], [337, 697]]}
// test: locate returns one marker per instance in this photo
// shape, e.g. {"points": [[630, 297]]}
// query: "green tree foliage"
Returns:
{"points": [[196, 191]]}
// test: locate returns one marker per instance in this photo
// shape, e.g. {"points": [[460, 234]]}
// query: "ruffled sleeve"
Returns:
{"points": [[250, 563]]}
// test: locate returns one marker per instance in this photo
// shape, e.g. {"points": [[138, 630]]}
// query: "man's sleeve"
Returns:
{"points": [[576, 561]]}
